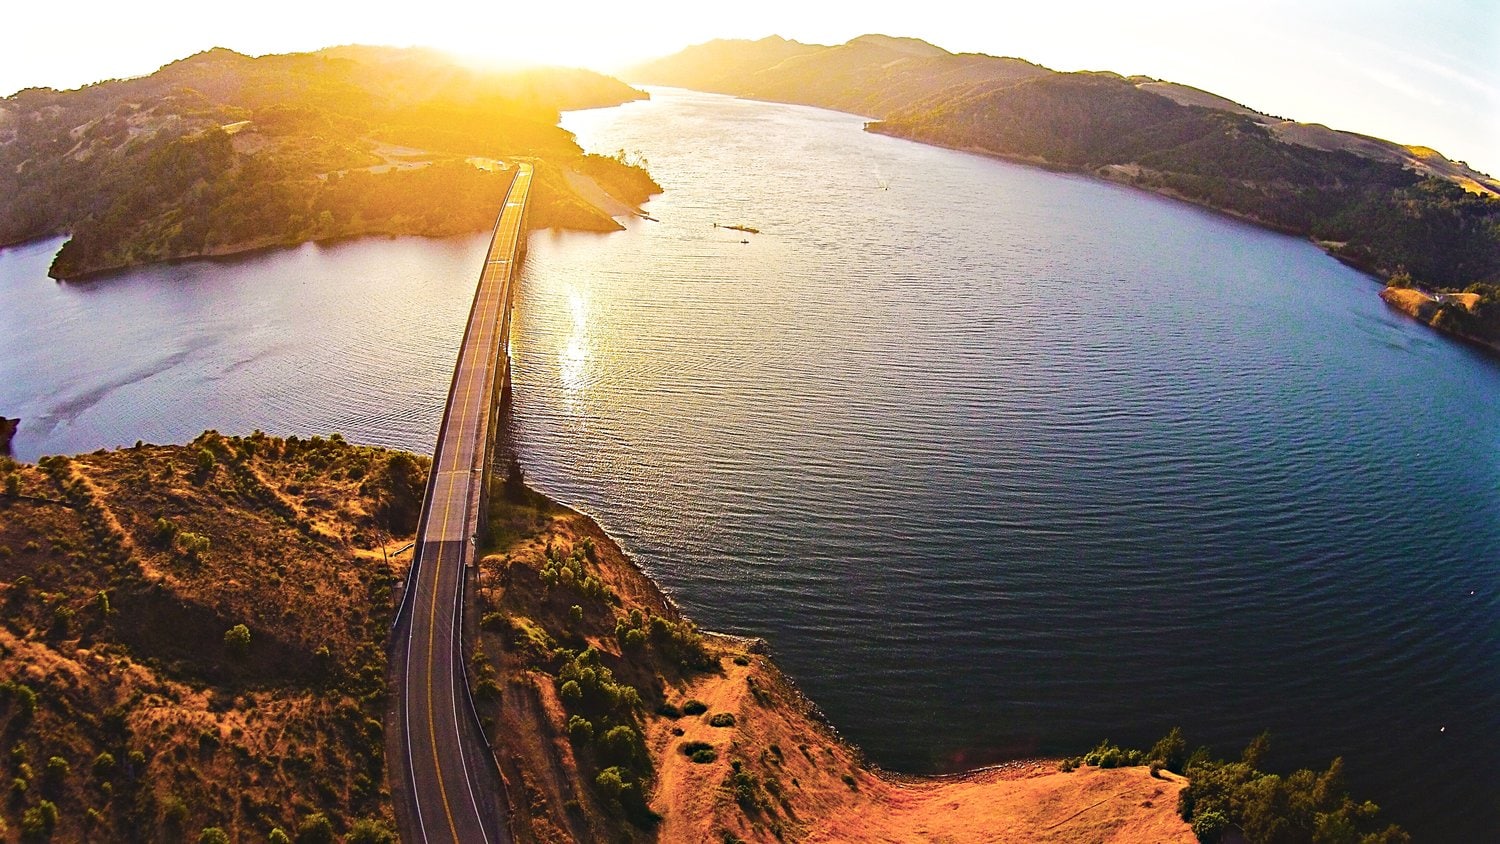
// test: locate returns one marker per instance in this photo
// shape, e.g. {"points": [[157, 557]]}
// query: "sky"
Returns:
{"points": [[1412, 71]]}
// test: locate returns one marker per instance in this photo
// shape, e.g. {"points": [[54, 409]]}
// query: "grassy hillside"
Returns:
{"points": [[1390, 209], [193, 638], [1383, 215], [872, 75], [220, 153]]}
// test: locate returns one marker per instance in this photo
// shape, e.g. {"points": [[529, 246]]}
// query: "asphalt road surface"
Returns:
{"points": [[448, 789]]}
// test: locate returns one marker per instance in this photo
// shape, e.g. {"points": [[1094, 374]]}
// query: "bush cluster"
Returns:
{"points": [[1306, 807], [679, 642], [571, 572], [605, 718]]}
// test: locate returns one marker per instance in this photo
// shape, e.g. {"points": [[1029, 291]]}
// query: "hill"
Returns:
{"points": [[221, 153], [194, 637], [1387, 208], [872, 75]]}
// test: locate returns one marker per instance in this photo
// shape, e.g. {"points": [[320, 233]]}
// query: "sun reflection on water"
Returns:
{"points": [[573, 357]]}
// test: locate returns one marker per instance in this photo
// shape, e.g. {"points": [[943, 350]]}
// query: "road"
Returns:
{"points": [[445, 783]]}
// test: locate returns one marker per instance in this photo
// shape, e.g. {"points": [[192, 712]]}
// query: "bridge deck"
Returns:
{"points": [[452, 788]]}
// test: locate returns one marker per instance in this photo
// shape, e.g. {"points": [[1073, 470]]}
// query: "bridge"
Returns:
{"points": [[445, 782]]}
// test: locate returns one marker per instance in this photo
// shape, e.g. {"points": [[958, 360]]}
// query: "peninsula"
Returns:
{"points": [[221, 153]]}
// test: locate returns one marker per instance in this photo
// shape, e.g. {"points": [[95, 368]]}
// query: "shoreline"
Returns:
{"points": [[1426, 311], [774, 766], [1118, 175], [251, 248]]}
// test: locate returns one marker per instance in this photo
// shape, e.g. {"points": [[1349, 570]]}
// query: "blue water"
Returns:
{"points": [[1001, 462], [357, 338]]}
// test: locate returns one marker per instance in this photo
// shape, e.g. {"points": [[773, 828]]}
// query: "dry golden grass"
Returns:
{"points": [[277, 536]]}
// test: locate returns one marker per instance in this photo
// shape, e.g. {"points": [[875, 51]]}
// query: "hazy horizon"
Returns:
{"points": [[1425, 76]]}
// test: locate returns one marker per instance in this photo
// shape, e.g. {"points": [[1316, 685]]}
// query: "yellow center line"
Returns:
{"points": [[486, 314], [431, 647]]}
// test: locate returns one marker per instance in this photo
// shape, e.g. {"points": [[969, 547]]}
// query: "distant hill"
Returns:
{"points": [[221, 152], [878, 75], [872, 75], [1398, 211]]}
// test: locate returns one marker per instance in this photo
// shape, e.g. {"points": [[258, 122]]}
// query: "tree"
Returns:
{"points": [[401, 486], [1171, 751], [1210, 826], [213, 835], [370, 831], [515, 481], [1255, 752], [316, 828], [237, 641]]}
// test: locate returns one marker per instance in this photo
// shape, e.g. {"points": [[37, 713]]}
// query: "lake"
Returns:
{"points": [[1001, 462]]}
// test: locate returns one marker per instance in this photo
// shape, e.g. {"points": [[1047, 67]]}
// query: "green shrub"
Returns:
{"points": [[104, 765], [278, 836], [23, 696], [57, 770], [213, 835], [38, 821], [703, 756], [623, 745], [694, 707], [580, 730], [1107, 755], [487, 689], [722, 719], [1304, 806], [743, 785], [1210, 826], [370, 831], [194, 546], [316, 828], [1170, 751], [205, 465], [174, 811], [623, 794], [163, 533], [237, 641]]}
